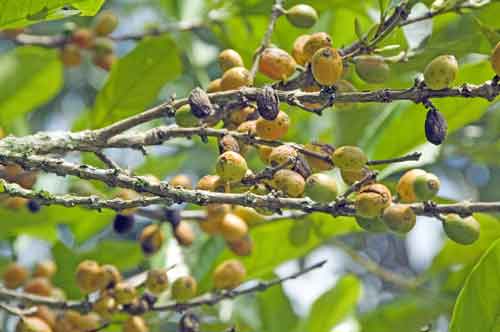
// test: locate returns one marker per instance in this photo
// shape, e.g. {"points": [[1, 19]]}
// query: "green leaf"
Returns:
{"points": [[19, 13], [334, 305], [478, 306], [29, 77], [136, 80]]}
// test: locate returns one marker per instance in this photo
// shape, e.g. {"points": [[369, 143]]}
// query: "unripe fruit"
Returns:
{"points": [[236, 78], [14, 275], [321, 188], [282, 154], [135, 324], [289, 182], [45, 269], [231, 166], [46, 314], [106, 23], [326, 66], [299, 233], [374, 225], [214, 86], [181, 181], [32, 324], [399, 218], [83, 38], [184, 288], [241, 247], [314, 43], [124, 293], [112, 276], [228, 59], [70, 55], [495, 59], [350, 176], [104, 61], [210, 183], [417, 185], [274, 129], [276, 63], [232, 227], [123, 223], [88, 276], [426, 186], [298, 49], [229, 274], [316, 164], [185, 118], [248, 214], [184, 233], [372, 68], [151, 239], [372, 200], [105, 306], [302, 16], [349, 157], [441, 72], [157, 281], [461, 230], [38, 286]]}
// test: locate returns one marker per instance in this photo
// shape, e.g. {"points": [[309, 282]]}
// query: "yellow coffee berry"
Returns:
{"points": [[236, 78], [289, 182], [314, 43], [372, 200], [106, 23], [45, 269], [283, 154], [229, 274], [135, 324], [276, 64], [349, 157], [273, 129], [232, 227], [327, 66], [151, 239], [181, 181], [15, 276], [399, 218], [70, 55], [231, 166], [229, 59], [298, 49]]}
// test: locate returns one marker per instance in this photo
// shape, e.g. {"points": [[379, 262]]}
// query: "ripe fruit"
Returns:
{"points": [[70, 55], [184, 233], [495, 59], [214, 86], [276, 64], [264, 151], [228, 59], [45, 269], [184, 117], [248, 214], [104, 61], [151, 239], [89, 276], [350, 176], [302, 16], [318, 165], [32, 324], [417, 185], [461, 230], [38, 286], [111, 276], [372, 68], [105, 306], [232, 227], [399, 218], [441, 72], [46, 314], [229, 274], [375, 225], [326, 66], [83, 38], [123, 223], [372, 200], [231, 166], [282, 154], [157, 281], [314, 43], [274, 129], [184, 288], [14, 275], [135, 324], [210, 183], [289, 182], [106, 23], [124, 293], [235, 78], [349, 157], [298, 49], [241, 247], [321, 188], [181, 181]]}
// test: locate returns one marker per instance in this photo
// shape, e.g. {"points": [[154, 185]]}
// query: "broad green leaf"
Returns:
{"points": [[29, 77], [136, 80], [478, 306], [334, 305], [19, 13]]}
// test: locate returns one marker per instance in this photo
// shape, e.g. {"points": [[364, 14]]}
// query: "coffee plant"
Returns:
{"points": [[173, 165]]}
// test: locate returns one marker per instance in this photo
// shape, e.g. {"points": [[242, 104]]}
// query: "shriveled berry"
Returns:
{"points": [[372, 200], [435, 127], [200, 103], [135, 324], [241, 247], [289, 182], [232, 227], [229, 274], [106, 23], [349, 157], [157, 281], [495, 59], [302, 16], [151, 239], [83, 37], [327, 66], [184, 288], [283, 154], [123, 223], [228, 59], [181, 181], [45, 269], [231, 166], [236, 78], [276, 64], [268, 103], [441, 72], [321, 188], [70, 55], [33, 206], [399, 218], [461, 230], [314, 43], [374, 225], [298, 49], [185, 118], [15, 275], [372, 68], [184, 233], [214, 86], [274, 129]]}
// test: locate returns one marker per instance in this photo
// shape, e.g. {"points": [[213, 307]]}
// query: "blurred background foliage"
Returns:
{"points": [[37, 93]]}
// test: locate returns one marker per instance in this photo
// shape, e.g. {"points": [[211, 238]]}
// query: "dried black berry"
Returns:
{"points": [[189, 323], [33, 206], [228, 143], [123, 223], [149, 298], [302, 167], [201, 107], [268, 103], [435, 127], [173, 216]]}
